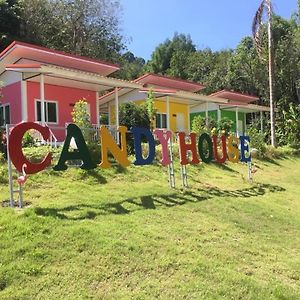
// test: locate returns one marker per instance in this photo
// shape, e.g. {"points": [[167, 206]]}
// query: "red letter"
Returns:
{"points": [[184, 148], [15, 148]]}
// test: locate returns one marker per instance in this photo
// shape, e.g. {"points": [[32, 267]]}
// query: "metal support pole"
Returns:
{"points": [[171, 166], [184, 176], [10, 175]]}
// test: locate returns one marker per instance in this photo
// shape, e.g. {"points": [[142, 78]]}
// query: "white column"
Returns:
{"points": [[24, 101], [219, 113], [98, 109], [168, 112], [261, 122], [117, 113], [237, 121], [245, 123], [206, 114], [117, 106], [42, 98]]}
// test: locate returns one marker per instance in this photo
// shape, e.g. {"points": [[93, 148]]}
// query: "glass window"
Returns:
{"points": [[161, 121], [4, 115], [50, 111]]}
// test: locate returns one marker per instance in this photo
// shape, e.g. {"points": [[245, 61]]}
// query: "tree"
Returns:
{"points": [[90, 28], [131, 66], [266, 7], [161, 57], [9, 22]]}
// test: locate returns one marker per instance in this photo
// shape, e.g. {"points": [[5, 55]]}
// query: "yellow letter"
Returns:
{"points": [[108, 144], [232, 149]]}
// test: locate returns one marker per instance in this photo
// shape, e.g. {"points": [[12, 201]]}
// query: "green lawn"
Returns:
{"points": [[124, 234]]}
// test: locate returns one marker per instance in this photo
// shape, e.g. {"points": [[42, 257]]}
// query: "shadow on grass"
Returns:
{"points": [[126, 206], [225, 167]]}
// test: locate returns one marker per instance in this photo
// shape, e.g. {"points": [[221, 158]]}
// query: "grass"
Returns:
{"points": [[124, 234]]}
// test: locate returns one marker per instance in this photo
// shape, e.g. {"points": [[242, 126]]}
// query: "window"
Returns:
{"points": [[4, 114], [51, 115], [161, 121]]}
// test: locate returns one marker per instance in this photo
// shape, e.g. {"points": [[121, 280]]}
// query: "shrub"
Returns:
{"points": [[257, 141], [81, 118], [133, 115], [28, 140], [199, 124], [224, 126]]}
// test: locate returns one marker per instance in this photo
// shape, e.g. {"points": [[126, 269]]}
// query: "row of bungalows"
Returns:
{"points": [[42, 85]]}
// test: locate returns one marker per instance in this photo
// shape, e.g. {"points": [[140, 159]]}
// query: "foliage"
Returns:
{"points": [[28, 140], [82, 118], [224, 126], [89, 28], [151, 110], [133, 115], [199, 124], [289, 130], [131, 66], [257, 141], [161, 57]]}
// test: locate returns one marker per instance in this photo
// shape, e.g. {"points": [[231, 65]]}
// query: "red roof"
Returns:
{"points": [[235, 97], [20, 50], [169, 82]]}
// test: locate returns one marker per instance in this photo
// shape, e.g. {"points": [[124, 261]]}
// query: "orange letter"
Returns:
{"points": [[232, 149], [108, 144]]}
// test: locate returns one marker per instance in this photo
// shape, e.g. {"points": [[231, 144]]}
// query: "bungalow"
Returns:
{"points": [[42, 85], [238, 106], [174, 99]]}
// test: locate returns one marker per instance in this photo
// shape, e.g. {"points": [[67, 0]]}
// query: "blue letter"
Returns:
{"points": [[245, 142], [137, 135]]}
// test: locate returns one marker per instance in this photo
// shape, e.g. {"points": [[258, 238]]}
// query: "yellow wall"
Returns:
{"points": [[161, 106]]}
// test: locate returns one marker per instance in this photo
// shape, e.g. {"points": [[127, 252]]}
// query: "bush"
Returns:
{"points": [[28, 140], [133, 115], [199, 124], [81, 118], [257, 141], [224, 126]]}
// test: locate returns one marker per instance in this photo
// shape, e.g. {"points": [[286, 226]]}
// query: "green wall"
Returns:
{"points": [[224, 114]]}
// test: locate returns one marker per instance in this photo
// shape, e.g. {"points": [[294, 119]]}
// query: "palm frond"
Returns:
{"points": [[264, 8]]}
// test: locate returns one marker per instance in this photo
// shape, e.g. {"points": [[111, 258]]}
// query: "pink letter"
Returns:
{"points": [[164, 136]]}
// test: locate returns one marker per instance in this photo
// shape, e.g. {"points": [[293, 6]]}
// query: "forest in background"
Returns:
{"points": [[93, 28]]}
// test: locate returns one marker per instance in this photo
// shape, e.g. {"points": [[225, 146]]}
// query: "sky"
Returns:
{"points": [[217, 24]]}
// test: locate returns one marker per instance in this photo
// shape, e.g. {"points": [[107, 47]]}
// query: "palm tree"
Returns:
{"points": [[265, 9]]}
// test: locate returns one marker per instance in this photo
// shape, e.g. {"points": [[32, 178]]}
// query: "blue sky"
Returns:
{"points": [[217, 24]]}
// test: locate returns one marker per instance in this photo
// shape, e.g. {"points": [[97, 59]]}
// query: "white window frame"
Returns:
{"points": [[2, 106], [161, 120], [46, 111]]}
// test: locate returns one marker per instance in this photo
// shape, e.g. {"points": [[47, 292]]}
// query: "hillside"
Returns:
{"points": [[125, 234]]}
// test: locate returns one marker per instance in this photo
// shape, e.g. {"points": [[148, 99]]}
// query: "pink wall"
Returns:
{"points": [[12, 95], [66, 98]]}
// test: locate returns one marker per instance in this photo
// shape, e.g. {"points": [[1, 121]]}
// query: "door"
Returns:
{"points": [[180, 122]]}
